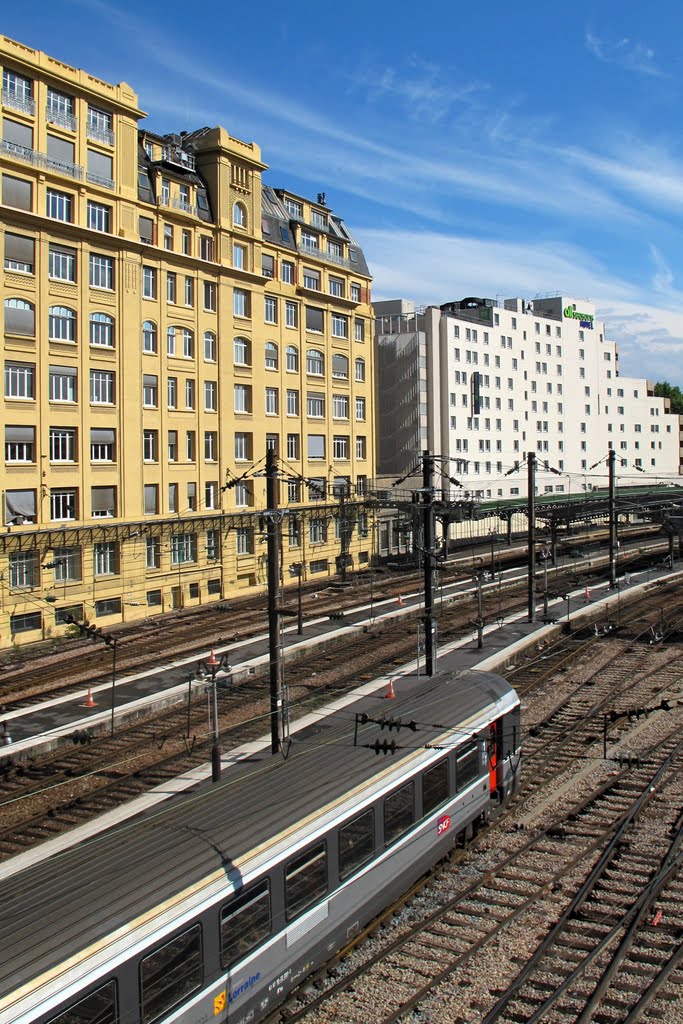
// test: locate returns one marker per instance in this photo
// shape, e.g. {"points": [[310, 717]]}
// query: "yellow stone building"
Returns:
{"points": [[167, 318]]}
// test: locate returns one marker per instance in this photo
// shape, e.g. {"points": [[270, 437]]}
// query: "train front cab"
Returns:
{"points": [[503, 752]]}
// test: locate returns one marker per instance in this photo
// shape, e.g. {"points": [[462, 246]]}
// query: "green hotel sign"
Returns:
{"points": [[574, 314]]}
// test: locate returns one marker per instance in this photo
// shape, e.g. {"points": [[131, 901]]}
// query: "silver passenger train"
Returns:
{"points": [[214, 907]]}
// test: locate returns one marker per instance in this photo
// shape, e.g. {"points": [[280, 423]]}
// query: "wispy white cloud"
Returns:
{"points": [[630, 54], [436, 267], [649, 173], [420, 88]]}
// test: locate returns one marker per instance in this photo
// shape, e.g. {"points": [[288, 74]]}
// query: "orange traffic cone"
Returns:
{"points": [[89, 702], [390, 689], [400, 601], [587, 595]]}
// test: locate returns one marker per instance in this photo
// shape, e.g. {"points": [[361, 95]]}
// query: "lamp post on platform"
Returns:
{"points": [[209, 668]]}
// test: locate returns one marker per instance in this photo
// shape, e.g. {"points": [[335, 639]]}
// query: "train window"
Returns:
{"points": [[305, 880], [171, 973], [467, 766], [511, 732], [435, 786], [245, 921], [356, 843], [399, 813], [97, 1008]]}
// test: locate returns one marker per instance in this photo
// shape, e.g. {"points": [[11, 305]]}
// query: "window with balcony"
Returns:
{"points": [[17, 92], [99, 128], [101, 172]]}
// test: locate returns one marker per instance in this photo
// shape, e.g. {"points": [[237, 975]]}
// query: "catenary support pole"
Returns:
{"points": [[611, 462], [273, 613], [428, 530], [531, 535]]}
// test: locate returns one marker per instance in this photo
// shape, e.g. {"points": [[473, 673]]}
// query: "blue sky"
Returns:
{"points": [[493, 149]]}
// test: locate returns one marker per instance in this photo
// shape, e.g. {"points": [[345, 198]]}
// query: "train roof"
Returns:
{"points": [[81, 896]]}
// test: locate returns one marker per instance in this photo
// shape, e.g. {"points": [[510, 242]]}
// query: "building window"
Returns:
{"points": [[241, 306], [359, 329], [62, 384], [340, 407], [340, 366], [150, 446], [189, 393], [270, 309], [242, 352], [206, 248], [100, 126], [102, 387], [315, 405], [210, 446], [62, 505], [102, 445], [360, 370], [105, 558], [337, 287], [315, 362], [61, 263], [20, 380], [239, 216], [360, 408], [101, 330], [24, 570], [150, 390], [292, 403], [309, 241], [149, 337], [188, 343], [242, 398], [312, 279], [294, 208], [291, 314], [361, 448], [62, 444], [209, 347], [340, 448], [171, 287], [59, 205], [210, 296], [316, 446], [20, 444], [239, 254], [271, 355], [149, 283], [210, 395], [20, 317], [272, 401], [292, 359], [101, 271], [317, 531], [189, 291], [355, 292], [152, 553], [340, 326], [172, 392], [62, 324], [244, 540], [243, 447], [183, 548], [293, 447], [287, 272]]}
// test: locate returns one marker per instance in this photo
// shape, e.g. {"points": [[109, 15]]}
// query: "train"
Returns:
{"points": [[216, 905]]}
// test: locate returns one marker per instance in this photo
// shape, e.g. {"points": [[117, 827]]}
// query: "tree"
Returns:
{"points": [[665, 390]]}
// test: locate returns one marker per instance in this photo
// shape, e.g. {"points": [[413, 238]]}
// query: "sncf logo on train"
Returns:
{"points": [[443, 825]]}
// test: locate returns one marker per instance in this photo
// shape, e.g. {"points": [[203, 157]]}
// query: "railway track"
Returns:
{"points": [[27, 676]]}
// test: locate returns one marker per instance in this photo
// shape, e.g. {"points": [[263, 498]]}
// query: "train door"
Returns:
{"points": [[492, 754]]}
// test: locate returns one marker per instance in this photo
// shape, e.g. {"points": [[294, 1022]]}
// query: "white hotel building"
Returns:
{"points": [[483, 382]]}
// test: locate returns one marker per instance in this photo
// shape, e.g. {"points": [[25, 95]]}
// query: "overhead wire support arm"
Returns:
{"points": [[428, 527]]}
